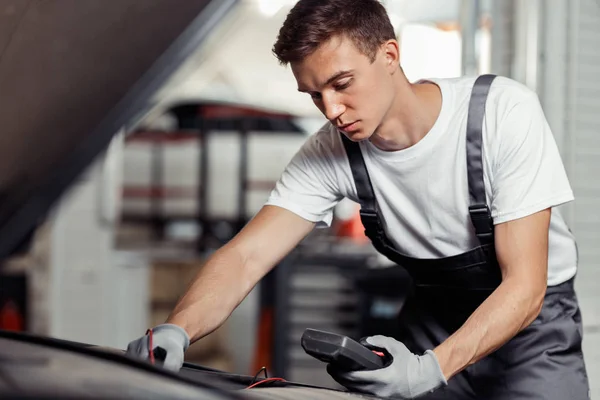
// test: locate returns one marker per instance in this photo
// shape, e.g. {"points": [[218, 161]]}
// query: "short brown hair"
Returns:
{"points": [[310, 23]]}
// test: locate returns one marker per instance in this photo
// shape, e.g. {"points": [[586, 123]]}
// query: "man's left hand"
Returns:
{"points": [[408, 376]]}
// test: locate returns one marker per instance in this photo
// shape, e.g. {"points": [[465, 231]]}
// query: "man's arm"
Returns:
{"points": [[232, 271], [522, 252]]}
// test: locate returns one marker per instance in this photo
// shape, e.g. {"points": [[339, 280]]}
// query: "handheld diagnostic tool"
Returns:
{"points": [[340, 350]]}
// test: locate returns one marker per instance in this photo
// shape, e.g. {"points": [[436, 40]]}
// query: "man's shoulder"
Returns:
{"points": [[325, 140], [327, 132], [502, 89], [504, 93], [507, 92]]}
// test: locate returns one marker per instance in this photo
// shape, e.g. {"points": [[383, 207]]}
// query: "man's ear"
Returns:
{"points": [[391, 53]]}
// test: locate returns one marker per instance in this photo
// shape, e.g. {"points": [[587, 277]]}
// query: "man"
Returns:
{"points": [[458, 180]]}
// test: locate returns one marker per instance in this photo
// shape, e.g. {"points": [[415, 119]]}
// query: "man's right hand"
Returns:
{"points": [[172, 338]]}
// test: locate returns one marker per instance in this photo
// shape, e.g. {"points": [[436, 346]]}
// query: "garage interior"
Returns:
{"points": [[173, 184]]}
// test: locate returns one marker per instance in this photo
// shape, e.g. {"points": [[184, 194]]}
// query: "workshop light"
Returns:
{"points": [[271, 7]]}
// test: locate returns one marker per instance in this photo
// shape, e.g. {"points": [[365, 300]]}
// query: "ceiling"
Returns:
{"points": [[237, 65]]}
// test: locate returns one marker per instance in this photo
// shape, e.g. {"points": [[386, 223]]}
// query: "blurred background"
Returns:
{"points": [[173, 184]]}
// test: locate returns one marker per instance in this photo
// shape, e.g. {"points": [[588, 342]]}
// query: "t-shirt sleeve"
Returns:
{"points": [[308, 186], [528, 172]]}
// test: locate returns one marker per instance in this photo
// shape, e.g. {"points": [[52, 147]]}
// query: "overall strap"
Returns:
{"points": [[478, 209], [364, 189]]}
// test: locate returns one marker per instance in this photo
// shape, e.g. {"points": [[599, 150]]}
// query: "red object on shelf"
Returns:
{"points": [[11, 318], [13, 302], [352, 228]]}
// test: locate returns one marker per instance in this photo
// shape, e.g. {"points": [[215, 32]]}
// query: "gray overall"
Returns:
{"points": [[544, 361]]}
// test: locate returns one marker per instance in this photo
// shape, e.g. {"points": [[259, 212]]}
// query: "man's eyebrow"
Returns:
{"points": [[335, 76]]}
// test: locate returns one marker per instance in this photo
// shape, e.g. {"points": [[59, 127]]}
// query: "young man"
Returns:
{"points": [[458, 180]]}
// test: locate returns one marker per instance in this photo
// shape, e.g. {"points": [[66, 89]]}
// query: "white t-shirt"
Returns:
{"points": [[422, 191]]}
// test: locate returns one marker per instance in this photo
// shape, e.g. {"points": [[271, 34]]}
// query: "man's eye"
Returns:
{"points": [[343, 84]]}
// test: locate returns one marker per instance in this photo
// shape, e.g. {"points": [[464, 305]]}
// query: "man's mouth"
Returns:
{"points": [[348, 127]]}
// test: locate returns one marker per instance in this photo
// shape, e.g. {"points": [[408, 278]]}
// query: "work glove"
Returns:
{"points": [[406, 376], [173, 339]]}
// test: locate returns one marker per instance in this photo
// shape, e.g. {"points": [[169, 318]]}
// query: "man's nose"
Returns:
{"points": [[333, 109]]}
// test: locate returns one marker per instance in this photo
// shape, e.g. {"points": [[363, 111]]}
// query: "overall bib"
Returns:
{"points": [[544, 361]]}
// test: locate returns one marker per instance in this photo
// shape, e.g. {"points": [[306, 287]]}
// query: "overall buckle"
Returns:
{"points": [[481, 217], [370, 222]]}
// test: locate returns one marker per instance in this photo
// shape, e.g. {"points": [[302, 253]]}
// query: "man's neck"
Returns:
{"points": [[410, 117]]}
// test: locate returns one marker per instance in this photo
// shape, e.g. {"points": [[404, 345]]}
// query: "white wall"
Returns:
{"points": [[96, 295]]}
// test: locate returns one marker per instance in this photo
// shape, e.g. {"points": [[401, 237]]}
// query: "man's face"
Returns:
{"points": [[352, 92]]}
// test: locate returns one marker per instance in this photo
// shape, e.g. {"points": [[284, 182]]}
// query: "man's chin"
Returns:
{"points": [[357, 136]]}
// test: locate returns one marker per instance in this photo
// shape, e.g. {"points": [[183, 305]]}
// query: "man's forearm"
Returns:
{"points": [[214, 293], [508, 310]]}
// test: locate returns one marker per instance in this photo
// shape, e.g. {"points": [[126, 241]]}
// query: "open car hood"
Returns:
{"points": [[72, 74]]}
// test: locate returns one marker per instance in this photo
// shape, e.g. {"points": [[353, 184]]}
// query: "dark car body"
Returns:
{"points": [[34, 367]]}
